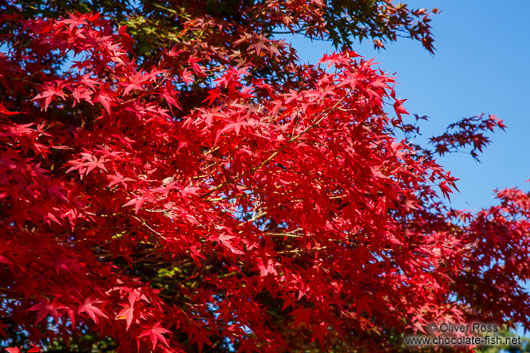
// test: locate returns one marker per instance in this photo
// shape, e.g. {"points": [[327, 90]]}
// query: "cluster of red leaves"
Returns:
{"points": [[302, 196], [494, 275], [467, 132]]}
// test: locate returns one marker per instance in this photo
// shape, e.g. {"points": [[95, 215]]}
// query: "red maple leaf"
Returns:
{"points": [[156, 333], [127, 314], [92, 311], [13, 350], [4, 111], [118, 179], [46, 308], [106, 100]]}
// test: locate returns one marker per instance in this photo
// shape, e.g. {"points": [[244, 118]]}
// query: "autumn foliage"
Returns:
{"points": [[211, 193]]}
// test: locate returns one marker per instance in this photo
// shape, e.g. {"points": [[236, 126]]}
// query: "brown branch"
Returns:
{"points": [[147, 226], [289, 235]]}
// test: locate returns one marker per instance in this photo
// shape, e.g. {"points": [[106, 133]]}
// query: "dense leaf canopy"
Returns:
{"points": [[173, 179]]}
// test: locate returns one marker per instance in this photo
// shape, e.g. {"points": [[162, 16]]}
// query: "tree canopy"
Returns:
{"points": [[173, 179]]}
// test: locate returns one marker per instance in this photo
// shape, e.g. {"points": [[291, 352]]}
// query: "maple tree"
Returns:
{"points": [[185, 184]]}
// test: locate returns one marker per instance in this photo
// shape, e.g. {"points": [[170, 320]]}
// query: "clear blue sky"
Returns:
{"points": [[481, 65]]}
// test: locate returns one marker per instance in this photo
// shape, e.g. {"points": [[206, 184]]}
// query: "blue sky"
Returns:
{"points": [[481, 65]]}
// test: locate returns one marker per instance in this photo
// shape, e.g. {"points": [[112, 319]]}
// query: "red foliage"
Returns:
{"points": [[293, 215], [468, 131]]}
